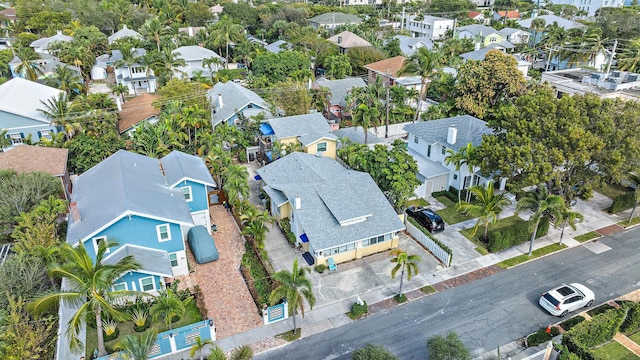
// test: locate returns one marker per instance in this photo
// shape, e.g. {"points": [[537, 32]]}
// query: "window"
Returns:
{"points": [[455, 176], [428, 150], [444, 150], [146, 284], [174, 259], [45, 134], [120, 287], [322, 146], [16, 138], [375, 240], [415, 139], [186, 191], [163, 232], [97, 241]]}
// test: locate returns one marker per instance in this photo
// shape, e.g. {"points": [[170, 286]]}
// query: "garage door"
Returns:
{"points": [[200, 219]]}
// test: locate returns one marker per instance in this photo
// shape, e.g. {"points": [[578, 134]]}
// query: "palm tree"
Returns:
{"points": [[129, 58], [119, 90], [198, 345], [255, 225], [168, 305], [147, 61], [486, 208], [236, 183], [58, 110], [566, 217], [138, 347], [226, 32], [540, 202], [168, 61], [27, 66], [424, 63], [65, 79], [153, 29], [90, 284], [537, 24], [404, 261], [294, 287], [211, 63], [457, 159], [367, 117], [629, 59]]}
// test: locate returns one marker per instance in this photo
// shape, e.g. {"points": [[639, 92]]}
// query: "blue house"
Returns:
{"points": [[230, 99], [147, 206], [20, 101]]}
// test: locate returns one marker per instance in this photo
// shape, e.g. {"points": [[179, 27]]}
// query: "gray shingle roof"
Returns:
{"points": [[299, 125], [470, 130], [151, 261], [234, 98], [45, 42], [550, 19], [477, 29], [276, 47], [409, 45], [22, 97], [340, 88], [335, 18], [330, 194], [179, 166], [124, 183], [356, 135], [508, 31], [314, 135], [191, 53], [123, 33]]}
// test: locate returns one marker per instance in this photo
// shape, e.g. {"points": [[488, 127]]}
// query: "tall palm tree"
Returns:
{"points": [[147, 61], [538, 24], [27, 66], [168, 305], [457, 159], [236, 183], [225, 33], [629, 59], [138, 347], [423, 63], [404, 261], [211, 63], [119, 90], [168, 61], [486, 208], [58, 110], [90, 284], [367, 117], [294, 287], [564, 217], [153, 29], [198, 345], [540, 202], [65, 79], [129, 58]]}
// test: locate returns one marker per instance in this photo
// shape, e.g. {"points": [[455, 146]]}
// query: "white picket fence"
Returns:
{"points": [[427, 242]]}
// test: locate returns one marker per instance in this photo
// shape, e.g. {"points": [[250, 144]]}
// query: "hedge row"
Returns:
{"points": [[516, 234], [426, 232], [453, 196], [632, 322], [622, 202], [589, 334]]}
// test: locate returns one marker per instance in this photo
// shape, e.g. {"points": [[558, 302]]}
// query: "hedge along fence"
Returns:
{"points": [[588, 334], [622, 202], [631, 323], [516, 234], [424, 237]]}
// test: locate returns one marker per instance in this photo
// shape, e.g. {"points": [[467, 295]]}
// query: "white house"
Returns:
{"points": [[194, 57], [135, 77], [590, 6], [428, 144], [431, 27], [41, 46], [409, 45], [515, 36], [123, 33]]}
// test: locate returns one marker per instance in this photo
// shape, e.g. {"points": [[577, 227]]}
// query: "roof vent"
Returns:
{"points": [[339, 39], [452, 134], [297, 202], [73, 209]]}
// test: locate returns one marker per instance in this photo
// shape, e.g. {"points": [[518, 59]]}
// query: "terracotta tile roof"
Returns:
{"points": [[138, 109], [513, 14], [391, 65], [28, 158], [473, 14], [9, 14]]}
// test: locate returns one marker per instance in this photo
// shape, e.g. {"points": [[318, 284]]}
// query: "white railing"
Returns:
{"points": [[427, 242]]}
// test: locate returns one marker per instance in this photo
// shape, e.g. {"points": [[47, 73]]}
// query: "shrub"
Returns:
{"points": [[447, 347], [599, 310], [568, 324], [400, 298], [426, 232], [320, 268], [555, 331], [243, 352], [538, 338], [369, 352], [565, 354], [285, 225], [631, 322], [622, 202], [600, 329], [543, 227], [516, 234], [498, 242], [140, 318], [358, 310], [110, 330]]}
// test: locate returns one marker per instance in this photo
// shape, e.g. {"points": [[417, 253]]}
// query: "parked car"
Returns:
{"points": [[566, 298], [427, 218]]}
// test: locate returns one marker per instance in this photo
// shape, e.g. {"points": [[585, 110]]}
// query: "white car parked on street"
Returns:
{"points": [[565, 298]]}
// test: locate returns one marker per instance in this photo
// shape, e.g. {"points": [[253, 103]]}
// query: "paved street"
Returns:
{"points": [[485, 313]]}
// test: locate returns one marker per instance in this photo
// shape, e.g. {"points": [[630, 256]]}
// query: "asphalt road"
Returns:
{"points": [[486, 313]]}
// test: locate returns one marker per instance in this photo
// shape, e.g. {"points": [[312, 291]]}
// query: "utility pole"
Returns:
{"points": [[613, 54], [386, 129]]}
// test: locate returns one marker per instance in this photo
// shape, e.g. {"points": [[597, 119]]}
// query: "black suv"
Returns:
{"points": [[427, 218]]}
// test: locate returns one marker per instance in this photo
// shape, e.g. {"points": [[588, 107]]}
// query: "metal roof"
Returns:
{"points": [[23, 97], [179, 166], [299, 125], [123, 33], [469, 130], [152, 261], [331, 194], [124, 184], [192, 53], [340, 88], [235, 98], [335, 18], [409, 45]]}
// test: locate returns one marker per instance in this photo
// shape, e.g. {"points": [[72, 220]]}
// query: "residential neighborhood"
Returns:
{"points": [[234, 180]]}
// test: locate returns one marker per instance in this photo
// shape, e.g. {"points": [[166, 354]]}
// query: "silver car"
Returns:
{"points": [[565, 298]]}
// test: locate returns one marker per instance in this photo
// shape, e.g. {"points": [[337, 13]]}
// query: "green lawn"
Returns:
{"points": [[192, 315], [612, 191], [634, 221], [417, 202], [450, 214], [635, 337], [535, 254], [614, 351], [588, 236]]}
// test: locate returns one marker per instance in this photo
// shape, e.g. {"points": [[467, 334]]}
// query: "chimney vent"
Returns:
{"points": [[452, 134], [220, 101], [297, 202], [73, 209], [339, 39]]}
